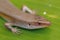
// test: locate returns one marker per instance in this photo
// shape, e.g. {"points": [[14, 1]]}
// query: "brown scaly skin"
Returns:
{"points": [[18, 18]]}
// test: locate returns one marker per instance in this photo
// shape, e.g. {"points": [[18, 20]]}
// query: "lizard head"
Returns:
{"points": [[39, 23]]}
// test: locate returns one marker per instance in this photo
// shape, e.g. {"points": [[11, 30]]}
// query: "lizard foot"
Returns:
{"points": [[16, 30]]}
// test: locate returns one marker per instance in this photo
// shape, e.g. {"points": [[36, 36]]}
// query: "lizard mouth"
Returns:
{"points": [[42, 23], [39, 24]]}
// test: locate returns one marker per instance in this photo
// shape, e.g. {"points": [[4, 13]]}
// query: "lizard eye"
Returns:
{"points": [[39, 23], [29, 24]]}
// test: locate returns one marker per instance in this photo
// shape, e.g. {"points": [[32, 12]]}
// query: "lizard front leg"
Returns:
{"points": [[14, 30], [28, 10]]}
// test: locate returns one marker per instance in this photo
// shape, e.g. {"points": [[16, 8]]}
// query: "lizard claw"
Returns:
{"points": [[16, 30]]}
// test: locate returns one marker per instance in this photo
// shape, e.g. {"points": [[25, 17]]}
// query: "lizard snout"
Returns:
{"points": [[45, 23]]}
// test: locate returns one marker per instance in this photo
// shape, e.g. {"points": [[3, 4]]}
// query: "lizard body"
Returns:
{"points": [[19, 18]]}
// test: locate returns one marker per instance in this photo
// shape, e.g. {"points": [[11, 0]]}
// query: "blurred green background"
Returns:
{"points": [[52, 7]]}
